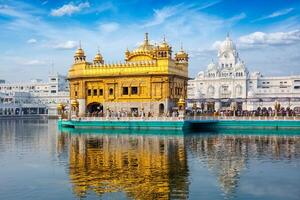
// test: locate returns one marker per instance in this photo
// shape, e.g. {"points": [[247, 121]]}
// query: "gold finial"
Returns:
{"points": [[79, 44], [181, 46]]}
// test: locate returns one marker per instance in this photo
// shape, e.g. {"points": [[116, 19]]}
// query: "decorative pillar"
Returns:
{"points": [[233, 107], [61, 109], [276, 107], [217, 106], [81, 107], [181, 107], [74, 108]]}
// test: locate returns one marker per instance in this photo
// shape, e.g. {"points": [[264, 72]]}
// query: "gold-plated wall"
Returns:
{"points": [[150, 73]]}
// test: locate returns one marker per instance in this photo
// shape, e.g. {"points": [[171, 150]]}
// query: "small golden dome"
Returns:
{"points": [[180, 53], [60, 106], [164, 44], [75, 103], [181, 100], [98, 57], [79, 52]]}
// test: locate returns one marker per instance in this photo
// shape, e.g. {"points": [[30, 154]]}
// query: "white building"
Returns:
{"points": [[228, 80], [50, 93]]}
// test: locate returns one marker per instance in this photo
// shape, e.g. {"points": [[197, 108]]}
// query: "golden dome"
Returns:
{"points": [[79, 52], [146, 46], [98, 57], [75, 103], [181, 102], [60, 106], [164, 44], [181, 53]]}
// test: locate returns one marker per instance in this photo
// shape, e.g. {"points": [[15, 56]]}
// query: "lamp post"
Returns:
{"points": [[233, 107], [74, 107], [194, 109], [181, 107], [142, 112], [107, 112], [276, 107], [61, 109], [202, 107]]}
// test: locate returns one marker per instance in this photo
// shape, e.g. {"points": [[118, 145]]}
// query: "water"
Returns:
{"points": [[37, 161]]}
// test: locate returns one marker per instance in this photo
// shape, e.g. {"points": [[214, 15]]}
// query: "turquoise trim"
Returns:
{"points": [[183, 125], [255, 124], [124, 124]]}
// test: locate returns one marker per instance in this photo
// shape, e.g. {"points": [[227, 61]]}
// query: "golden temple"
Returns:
{"points": [[149, 80]]}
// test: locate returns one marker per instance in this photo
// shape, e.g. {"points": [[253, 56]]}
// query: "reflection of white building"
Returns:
{"points": [[49, 94], [228, 80]]}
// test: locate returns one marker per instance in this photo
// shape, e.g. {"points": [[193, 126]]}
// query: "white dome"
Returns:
{"points": [[251, 93], [227, 45], [239, 66], [201, 74], [211, 66]]}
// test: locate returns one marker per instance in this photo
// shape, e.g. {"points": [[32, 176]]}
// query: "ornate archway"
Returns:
{"points": [[161, 108], [94, 107]]}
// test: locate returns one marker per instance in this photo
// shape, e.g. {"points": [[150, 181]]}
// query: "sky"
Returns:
{"points": [[40, 36]]}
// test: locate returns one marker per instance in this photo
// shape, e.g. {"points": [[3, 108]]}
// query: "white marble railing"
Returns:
{"points": [[272, 118], [185, 118], [128, 118]]}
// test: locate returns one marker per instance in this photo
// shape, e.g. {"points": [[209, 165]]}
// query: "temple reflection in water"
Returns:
{"points": [[227, 155], [156, 167], [144, 167]]}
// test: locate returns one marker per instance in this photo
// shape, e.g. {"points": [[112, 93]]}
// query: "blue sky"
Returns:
{"points": [[36, 33]]}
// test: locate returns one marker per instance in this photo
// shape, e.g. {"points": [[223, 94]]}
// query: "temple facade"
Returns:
{"points": [[228, 81], [149, 80]]}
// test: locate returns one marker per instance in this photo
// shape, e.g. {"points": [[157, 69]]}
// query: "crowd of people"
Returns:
{"points": [[134, 113], [268, 112]]}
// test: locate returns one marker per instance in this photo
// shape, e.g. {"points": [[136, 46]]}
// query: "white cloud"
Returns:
{"points": [[276, 38], [261, 39], [10, 11], [275, 14], [216, 44], [209, 4], [70, 44], [109, 27], [34, 62], [160, 15], [31, 41], [69, 9]]}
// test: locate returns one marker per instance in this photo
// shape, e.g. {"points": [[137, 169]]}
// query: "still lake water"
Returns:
{"points": [[38, 161]]}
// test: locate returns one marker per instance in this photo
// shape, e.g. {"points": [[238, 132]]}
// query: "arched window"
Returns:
{"points": [[211, 90], [111, 91], [238, 90]]}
